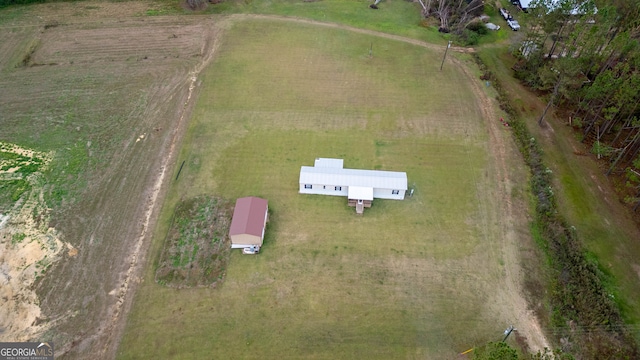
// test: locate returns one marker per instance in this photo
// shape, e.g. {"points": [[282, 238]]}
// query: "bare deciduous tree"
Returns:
{"points": [[454, 15]]}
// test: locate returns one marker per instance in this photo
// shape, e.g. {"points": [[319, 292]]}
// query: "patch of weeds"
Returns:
{"points": [[18, 238], [11, 191], [197, 247], [156, 12], [51, 24], [16, 166], [495, 350], [27, 57], [63, 176]]}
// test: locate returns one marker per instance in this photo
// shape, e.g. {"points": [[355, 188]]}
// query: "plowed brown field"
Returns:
{"points": [[100, 78]]}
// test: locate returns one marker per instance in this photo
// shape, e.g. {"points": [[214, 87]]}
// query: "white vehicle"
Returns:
{"points": [[492, 26], [251, 250], [513, 24], [505, 14]]}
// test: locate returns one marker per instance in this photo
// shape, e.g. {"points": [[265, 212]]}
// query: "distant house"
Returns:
{"points": [[581, 8], [328, 177], [524, 4], [249, 222]]}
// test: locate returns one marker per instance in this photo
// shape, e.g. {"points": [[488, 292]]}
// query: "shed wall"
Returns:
{"points": [[245, 239]]}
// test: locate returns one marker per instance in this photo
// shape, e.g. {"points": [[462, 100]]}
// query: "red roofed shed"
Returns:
{"points": [[249, 221]]}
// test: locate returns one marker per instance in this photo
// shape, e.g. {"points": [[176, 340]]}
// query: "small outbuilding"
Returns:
{"points": [[249, 223]]}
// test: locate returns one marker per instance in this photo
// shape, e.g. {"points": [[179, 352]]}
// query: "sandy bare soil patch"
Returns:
{"points": [[28, 247]]}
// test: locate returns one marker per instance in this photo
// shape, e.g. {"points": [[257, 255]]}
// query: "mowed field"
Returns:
{"points": [[427, 277]]}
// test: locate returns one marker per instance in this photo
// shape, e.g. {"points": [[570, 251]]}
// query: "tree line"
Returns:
{"points": [[585, 55], [4, 3]]}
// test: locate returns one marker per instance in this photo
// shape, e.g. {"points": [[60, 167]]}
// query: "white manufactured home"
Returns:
{"points": [[329, 177]]}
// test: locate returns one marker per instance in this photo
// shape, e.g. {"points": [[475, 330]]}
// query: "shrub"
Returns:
{"points": [[469, 37], [495, 351], [478, 27]]}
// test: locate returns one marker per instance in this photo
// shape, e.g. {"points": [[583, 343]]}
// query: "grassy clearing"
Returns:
{"points": [[412, 278], [394, 17]]}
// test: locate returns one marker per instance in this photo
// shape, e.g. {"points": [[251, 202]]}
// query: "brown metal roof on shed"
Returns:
{"points": [[249, 217]]}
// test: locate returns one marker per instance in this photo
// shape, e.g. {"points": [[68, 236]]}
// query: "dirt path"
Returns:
{"points": [[513, 296], [145, 90], [353, 29]]}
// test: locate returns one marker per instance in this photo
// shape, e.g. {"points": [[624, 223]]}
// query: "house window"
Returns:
{"points": [[395, 192], [338, 188], [307, 186]]}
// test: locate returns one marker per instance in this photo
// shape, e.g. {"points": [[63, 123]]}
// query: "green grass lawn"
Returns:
{"points": [[413, 278], [394, 16]]}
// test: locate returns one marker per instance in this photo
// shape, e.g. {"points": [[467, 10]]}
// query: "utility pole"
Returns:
{"points": [[445, 54], [508, 332]]}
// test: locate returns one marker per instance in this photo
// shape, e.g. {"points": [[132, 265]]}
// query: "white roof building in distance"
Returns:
{"points": [[580, 8], [328, 177]]}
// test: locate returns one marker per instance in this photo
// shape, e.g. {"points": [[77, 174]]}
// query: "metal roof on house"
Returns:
{"points": [[525, 3], [328, 162], [249, 216], [360, 193], [353, 177]]}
